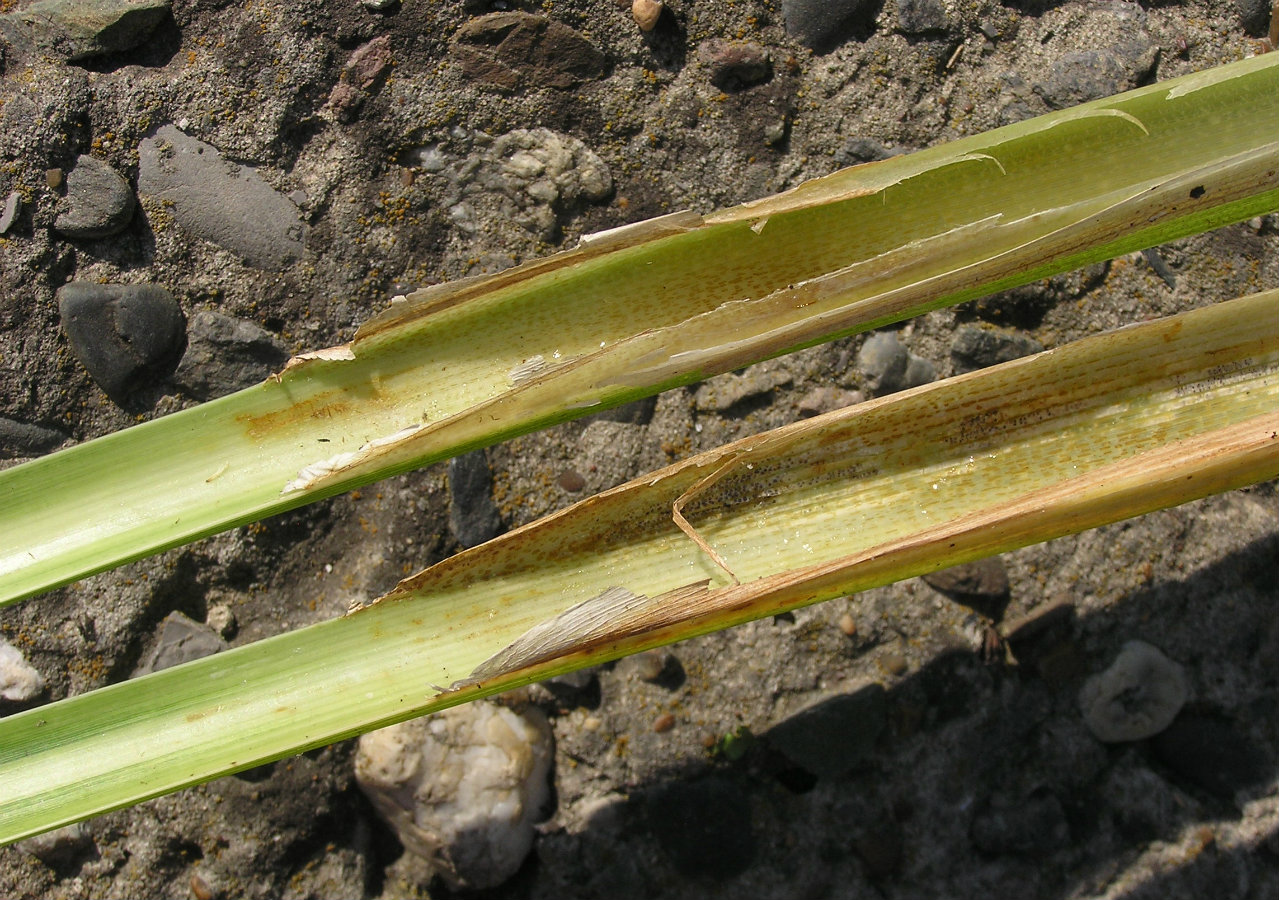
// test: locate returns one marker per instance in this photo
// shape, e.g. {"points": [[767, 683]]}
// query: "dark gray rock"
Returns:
{"points": [[182, 640], [1255, 15], [822, 25], [704, 826], [220, 201], [99, 201], [25, 439], [473, 516], [1034, 824], [124, 335], [226, 354], [833, 736], [977, 348], [1089, 74], [921, 16], [982, 585], [512, 50], [78, 30], [1212, 753], [856, 151], [12, 207]]}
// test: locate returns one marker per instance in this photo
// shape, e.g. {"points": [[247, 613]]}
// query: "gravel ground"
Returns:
{"points": [[193, 190]]}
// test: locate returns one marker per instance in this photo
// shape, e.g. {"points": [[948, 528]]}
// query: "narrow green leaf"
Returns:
{"points": [[1109, 427], [655, 305]]}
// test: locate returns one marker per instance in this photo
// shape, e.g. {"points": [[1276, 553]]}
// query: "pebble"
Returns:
{"points": [[848, 625], [822, 25], [703, 826], [981, 585], [894, 664], [1255, 15], [473, 516], [511, 50], [921, 16], [99, 202], [976, 348], [61, 846], [53, 178], [19, 681], [1212, 753], [663, 723], [124, 335], [1083, 75], [1136, 698], [571, 481], [723, 392], [77, 30], [831, 737], [648, 666], [1034, 824], [220, 201], [735, 65], [646, 13], [181, 640], [889, 367], [12, 207], [379, 5], [825, 398], [855, 151], [24, 439], [225, 354], [462, 789], [221, 619]]}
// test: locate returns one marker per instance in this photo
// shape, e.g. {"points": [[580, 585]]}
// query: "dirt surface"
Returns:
{"points": [[933, 766]]}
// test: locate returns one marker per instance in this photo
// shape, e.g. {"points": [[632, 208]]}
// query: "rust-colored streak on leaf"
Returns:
{"points": [[322, 407]]}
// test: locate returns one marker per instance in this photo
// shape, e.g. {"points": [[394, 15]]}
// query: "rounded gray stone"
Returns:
{"points": [[99, 202], [1136, 698], [225, 354], [220, 201], [124, 335]]}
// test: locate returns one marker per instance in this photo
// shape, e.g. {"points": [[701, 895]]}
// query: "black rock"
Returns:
{"points": [[182, 640], [921, 16], [704, 827], [822, 25], [99, 201], [1213, 754], [1255, 15], [473, 516], [977, 348], [833, 736], [225, 354], [124, 335], [25, 439]]}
